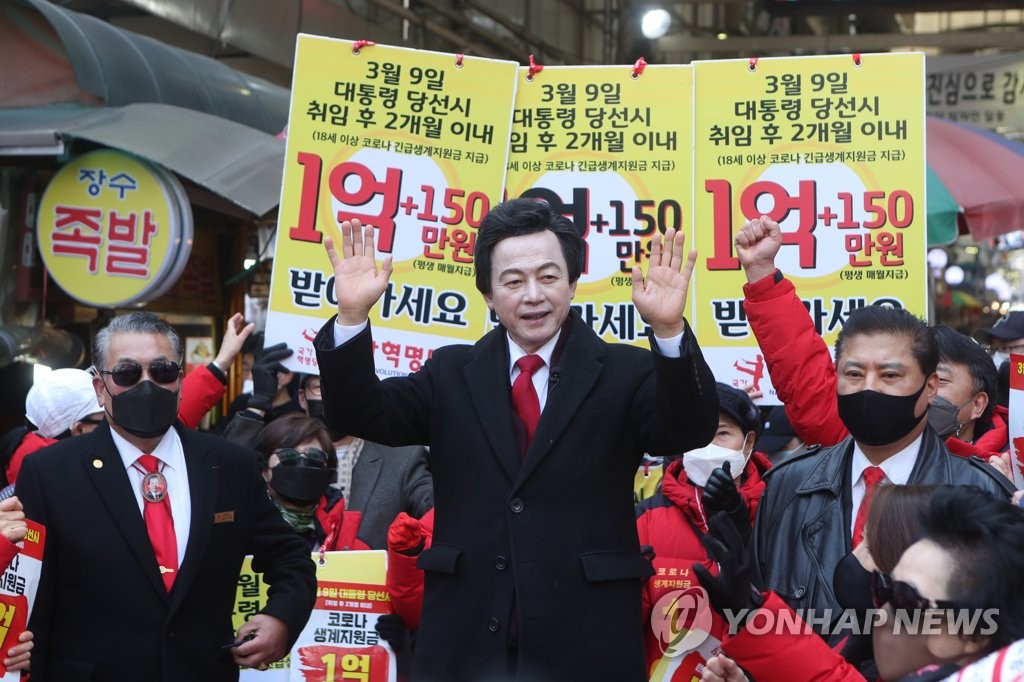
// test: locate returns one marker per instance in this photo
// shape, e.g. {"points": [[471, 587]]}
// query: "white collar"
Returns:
{"points": [[545, 352], [897, 468], [169, 450]]}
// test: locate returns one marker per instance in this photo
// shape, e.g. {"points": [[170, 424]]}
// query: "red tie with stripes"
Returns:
{"points": [[160, 524]]}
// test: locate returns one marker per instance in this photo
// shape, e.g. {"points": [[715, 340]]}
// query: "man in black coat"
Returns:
{"points": [[535, 569], [124, 595]]}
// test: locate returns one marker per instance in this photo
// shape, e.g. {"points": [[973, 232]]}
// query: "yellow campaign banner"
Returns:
{"points": [[413, 143], [609, 148], [339, 641], [833, 148]]}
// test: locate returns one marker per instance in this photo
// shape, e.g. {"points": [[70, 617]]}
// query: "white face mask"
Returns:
{"points": [[247, 386], [999, 357], [698, 464]]}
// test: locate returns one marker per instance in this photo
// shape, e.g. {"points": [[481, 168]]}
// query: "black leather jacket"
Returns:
{"points": [[803, 529]]}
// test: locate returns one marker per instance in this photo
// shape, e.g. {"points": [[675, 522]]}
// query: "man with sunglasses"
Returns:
{"points": [[153, 568]]}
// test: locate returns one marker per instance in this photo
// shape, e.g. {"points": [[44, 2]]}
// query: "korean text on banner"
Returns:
{"points": [[18, 585], [411, 142], [339, 641], [608, 149], [833, 149], [1016, 419]]}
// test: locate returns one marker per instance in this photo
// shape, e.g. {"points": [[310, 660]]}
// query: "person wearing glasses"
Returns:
{"points": [[300, 462], [135, 586], [1004, 337], [951, 598], [377, 481]]}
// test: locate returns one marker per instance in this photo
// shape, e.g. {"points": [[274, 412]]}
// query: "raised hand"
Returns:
{"points": [[235, 334], [757, 243], [358, 283], [661, 298]]}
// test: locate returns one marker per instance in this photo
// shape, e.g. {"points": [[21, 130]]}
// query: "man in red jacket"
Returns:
{"points": [[803, 371]]}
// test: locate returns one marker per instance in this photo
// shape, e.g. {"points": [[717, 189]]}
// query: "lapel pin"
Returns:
{"points": [[97, 464]]}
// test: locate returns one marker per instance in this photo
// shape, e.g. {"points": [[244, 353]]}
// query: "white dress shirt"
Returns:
{"points": [[667, 347], [172, 457], [896, 469]]}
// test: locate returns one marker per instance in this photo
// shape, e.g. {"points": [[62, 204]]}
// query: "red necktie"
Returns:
{"points": [[873, 476], [160, 525], [524, 395]]}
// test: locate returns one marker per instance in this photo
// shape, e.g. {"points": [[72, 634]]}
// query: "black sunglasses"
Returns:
{"points": [[292, 457], [903, 596], [129, 373]]}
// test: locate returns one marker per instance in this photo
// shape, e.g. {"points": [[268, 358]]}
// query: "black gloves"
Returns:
{"points": [[264, 375], [731, 589], [721, 495], [391, 628]]}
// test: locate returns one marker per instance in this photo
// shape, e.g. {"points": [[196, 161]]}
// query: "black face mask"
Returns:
{"points": [[851, 583], [315, 409], [145, 410], [301, 486], [875, 418]]}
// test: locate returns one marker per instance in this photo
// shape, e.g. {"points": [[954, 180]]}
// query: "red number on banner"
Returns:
{"points": [[898, 210], [477, 206], [455, 217], [878, 211], [309, 197], [721, 194], [906, 215], [427, 214], [847, 223]]}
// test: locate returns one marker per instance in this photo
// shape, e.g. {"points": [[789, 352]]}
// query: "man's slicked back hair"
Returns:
{"points": [[135, 322], [518, 217], [878, 319]]}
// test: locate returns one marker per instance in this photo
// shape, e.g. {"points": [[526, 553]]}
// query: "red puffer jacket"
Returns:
{"points": [[804, 374], [671, 522]]}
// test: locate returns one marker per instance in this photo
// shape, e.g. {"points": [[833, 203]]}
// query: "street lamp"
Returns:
{"points": [[655, 23]]}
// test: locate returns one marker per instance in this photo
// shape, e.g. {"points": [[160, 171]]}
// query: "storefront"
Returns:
{"points": [[132, 174]]}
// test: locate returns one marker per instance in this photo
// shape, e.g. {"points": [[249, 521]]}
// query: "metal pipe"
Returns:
{"points": [[463, 22], [440, 31], [515, 29]]}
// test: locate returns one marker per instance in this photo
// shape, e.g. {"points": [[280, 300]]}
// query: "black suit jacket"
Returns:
{"points": [[557, 533], [102, 613]]}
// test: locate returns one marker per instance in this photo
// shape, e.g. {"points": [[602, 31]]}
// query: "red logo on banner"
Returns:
{"points": [[330, 663]]}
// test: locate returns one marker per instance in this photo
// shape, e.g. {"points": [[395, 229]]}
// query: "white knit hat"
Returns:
{"points": [[62, 398]]}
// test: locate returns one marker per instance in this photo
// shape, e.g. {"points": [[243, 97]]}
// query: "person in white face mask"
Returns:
{"points": [[725, 476], [1004, 337]]}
